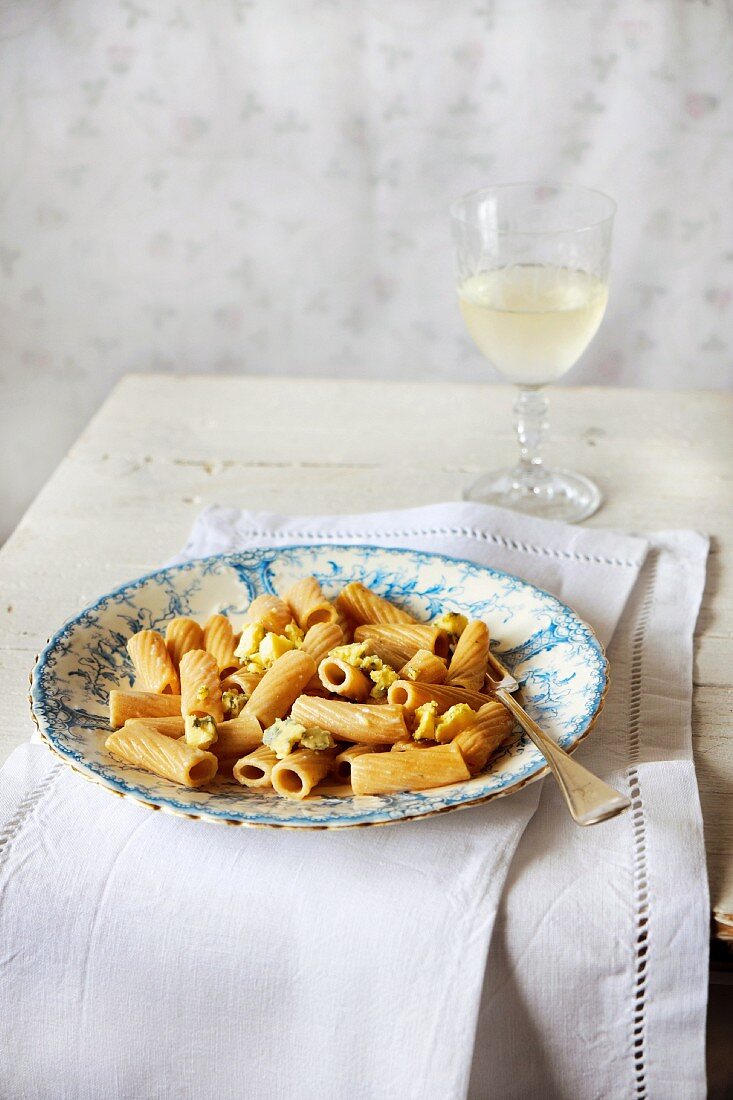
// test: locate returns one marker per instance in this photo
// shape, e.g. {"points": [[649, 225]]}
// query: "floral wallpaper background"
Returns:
{"points": [[261, 186]]}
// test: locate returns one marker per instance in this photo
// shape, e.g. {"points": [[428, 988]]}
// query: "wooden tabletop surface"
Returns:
{"points": [[161, 447]]}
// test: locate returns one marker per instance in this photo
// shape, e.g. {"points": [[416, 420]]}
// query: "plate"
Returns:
{"points": [[554, 654]]}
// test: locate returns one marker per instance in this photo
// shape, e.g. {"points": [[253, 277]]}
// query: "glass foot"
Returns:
{"points": [[548, 494]]}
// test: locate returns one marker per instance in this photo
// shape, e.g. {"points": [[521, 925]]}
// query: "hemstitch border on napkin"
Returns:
{"points": [[462, 532], [26, 807], [640, 864]]}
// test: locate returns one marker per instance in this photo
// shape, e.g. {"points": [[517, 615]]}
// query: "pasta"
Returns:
{"points": [[220, 643], [424, 668], [357, 689], [321, 639], [412, 695], [467, 668], [318, 642], [172, 726], [479, 741], [361, 605], [343, 679], [154, 670], [341, 766], [271, 611], [124, 704], [237, 737], [182, 635], [346, 625], [392, 657], [171, 759], [200, 685], [405, 640], [255, 769], [388, 772], [362, 722], [300, 771], [280, 686], [308, 604], [245, 682]]}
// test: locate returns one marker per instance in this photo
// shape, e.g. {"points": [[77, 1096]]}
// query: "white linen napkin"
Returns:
{"points": [[152, 956]]}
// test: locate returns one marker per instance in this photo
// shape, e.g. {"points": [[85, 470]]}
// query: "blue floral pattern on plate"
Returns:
{"points": [[553, 653]]}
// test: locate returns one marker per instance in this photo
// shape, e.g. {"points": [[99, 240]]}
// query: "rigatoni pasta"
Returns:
{"points": [[220, 642], [320, 639], [165, 756], [255, 769], [271, 611], [389, 772], [405, 640], [181, 635], [300, 771], [425, 668], [363, 722], [280, 687], [480, 740], [154, 669], [341, 678], [237, 737], [467, 668], [200, 685], [308, 604], [126, 703], [341, 767], [361, 605], [293, 699], [412, 695]]}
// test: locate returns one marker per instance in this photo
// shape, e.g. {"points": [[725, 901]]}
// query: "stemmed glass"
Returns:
{"points": [[532, 267]]}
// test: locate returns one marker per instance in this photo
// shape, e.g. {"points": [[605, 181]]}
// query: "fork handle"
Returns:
{"points": [[588, 798]]}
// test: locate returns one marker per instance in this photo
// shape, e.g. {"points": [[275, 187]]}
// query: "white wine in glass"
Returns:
{"points": [[532, 289]]}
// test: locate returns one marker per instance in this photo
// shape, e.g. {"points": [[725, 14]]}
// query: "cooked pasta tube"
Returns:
{"points": [[411, 695], [361, 722], [347, 627], [219, 641], [237, 737], [245, 682], [181, 635], [403, 639], [424, 668], [125, 703], [479, 741], [308, 604], [200, 685], [386, 653], [361, 605], [298, 773], [255, 769], [154, 670], [173, 726], [387, 772], [321, 639], [341, 765], [467, 668], [280, 686], [271, 611], [343, 679], [164, 756]]}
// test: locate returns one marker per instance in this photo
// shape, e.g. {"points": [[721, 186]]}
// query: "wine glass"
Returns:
{"points": [[532, 268]]}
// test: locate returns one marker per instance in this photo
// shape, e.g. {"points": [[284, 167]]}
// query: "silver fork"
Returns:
{"points": [[588, 798]]}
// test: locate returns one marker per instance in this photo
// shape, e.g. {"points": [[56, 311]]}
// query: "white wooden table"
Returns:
{"points": [[124, 499]]}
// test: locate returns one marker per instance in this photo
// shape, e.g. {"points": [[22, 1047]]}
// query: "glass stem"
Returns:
{"points": [[530, 421]]}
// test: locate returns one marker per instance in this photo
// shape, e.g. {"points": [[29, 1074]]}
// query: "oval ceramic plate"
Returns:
{"points": [[555, 655]]}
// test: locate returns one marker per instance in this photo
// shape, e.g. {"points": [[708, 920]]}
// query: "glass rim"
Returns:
{"points": [[491, 189]]}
